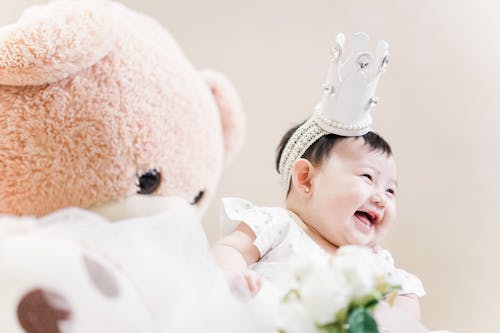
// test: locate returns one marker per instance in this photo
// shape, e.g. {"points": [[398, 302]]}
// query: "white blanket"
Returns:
{"points": [[73, 271]]}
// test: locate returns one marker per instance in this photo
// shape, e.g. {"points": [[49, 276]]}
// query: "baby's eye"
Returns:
{"points": [[391, 191], [367, 176]]}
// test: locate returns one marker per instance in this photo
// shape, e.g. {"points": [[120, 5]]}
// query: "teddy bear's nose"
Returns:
{"points": [[149, 182]]}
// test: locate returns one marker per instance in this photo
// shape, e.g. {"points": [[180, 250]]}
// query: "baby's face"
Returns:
{"points": [[353, 195]]}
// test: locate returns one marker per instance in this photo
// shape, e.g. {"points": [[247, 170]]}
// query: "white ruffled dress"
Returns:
{"points": [[280, 241]]}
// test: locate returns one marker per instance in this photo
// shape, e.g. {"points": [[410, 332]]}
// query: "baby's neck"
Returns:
{"points": [[313, 233]]}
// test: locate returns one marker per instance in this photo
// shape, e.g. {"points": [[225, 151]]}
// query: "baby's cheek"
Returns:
{"points": [[385, 226], [353, 199], [391, 213]]}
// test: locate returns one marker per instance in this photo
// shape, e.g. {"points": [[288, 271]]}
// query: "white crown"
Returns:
{"points": [[349, 96]]}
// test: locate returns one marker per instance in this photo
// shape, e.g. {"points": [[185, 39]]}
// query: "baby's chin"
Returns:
{"points": [[361, 240]]}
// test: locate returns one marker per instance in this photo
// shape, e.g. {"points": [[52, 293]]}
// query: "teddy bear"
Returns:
{"points": [[103, 118], [99, 104]]}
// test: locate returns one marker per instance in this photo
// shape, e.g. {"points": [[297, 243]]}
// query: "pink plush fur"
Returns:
{"points": [[227, 100], [92, 95], [50, 43]]}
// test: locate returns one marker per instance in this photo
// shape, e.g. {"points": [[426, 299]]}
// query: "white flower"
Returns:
{"points": [[293, 317], [322, 288], [361, 268], [304, 265], [324, 293]]}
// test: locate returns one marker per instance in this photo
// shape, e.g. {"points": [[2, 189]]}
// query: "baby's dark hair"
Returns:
{"points": [[320, 150]]}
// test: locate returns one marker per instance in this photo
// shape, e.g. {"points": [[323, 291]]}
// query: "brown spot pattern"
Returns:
{"points": [[103, 280], [40, 311]]}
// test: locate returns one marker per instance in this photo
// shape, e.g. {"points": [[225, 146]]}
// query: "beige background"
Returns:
{"points": [[440, 109]]}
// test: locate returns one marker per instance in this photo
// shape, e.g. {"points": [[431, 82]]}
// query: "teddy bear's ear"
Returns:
{"points": [[231, 112], [52, 42]]}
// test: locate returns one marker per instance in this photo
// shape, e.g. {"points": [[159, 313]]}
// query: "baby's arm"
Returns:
{"points": [[407, 303], [234, 253]]}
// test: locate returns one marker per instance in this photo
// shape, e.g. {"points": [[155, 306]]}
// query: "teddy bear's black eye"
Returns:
{"points": [[149, 181], [198, 198]]}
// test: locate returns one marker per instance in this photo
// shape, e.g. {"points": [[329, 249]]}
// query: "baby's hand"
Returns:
{"points": [[244, 284], [392, 320]]}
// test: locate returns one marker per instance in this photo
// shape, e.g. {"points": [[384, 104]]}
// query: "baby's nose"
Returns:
{"points": [[379, 199]]}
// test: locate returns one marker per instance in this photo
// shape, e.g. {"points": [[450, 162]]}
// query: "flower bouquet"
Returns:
{"points": [[336, 295]]}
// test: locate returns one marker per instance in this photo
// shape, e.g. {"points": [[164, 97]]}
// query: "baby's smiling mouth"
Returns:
{"points": [[366, 218]]}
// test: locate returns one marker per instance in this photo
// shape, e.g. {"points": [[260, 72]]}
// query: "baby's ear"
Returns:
{"points": [[231, 112], [51, 42], [302, 174]]}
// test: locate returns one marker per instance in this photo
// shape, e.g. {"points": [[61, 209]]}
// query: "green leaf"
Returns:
{"points": [[342, 315], [331, 328], [368, 299], [372, 305], [361, 321]]}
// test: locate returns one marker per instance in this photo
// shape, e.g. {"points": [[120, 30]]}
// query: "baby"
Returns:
{"points": [[340, 182]]}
